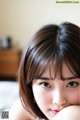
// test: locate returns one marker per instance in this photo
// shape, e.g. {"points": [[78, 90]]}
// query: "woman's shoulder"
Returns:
{"points": [[18, 112]]}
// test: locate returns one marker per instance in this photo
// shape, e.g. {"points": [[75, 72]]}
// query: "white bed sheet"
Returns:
{"points": [[9, 92]]}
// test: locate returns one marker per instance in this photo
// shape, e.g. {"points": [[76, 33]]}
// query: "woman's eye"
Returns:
{"points": [[72, 84], [45, 84]]}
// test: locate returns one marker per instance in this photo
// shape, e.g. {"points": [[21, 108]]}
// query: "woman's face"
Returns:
{"points": [[53, 95]]}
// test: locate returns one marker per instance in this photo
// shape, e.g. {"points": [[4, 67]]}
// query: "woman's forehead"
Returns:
{"points": [[50, 72]]}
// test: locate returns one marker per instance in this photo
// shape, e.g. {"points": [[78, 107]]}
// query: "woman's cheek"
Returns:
{"points": [[74, 97]]}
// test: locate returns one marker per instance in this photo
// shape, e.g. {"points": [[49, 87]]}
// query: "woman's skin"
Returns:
{"points": [[54, 95], [17, 112], [68, 113]]}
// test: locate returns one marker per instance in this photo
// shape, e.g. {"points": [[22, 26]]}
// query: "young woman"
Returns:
{"points": [[49, 73]]}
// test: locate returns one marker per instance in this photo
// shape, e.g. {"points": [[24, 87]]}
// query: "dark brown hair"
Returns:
{"points": [[52, 44]]}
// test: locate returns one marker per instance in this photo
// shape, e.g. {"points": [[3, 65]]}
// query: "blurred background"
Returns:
{"points": [[19, 20]]}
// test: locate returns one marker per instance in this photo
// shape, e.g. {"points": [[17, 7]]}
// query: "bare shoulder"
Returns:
{"points": [[69, 113], [17, 112]]}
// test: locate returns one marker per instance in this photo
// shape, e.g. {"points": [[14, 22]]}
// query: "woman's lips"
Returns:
{"points": [[55, 111]]}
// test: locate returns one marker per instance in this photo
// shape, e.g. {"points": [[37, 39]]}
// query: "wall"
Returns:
{"points": [[21, 18]]}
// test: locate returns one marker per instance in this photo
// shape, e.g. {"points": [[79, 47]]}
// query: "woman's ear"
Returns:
{"points": [[68, 113]]}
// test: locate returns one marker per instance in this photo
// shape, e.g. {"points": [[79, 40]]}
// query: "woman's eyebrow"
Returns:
{"points": [[65, 78], [70, 78], [44, 78]]}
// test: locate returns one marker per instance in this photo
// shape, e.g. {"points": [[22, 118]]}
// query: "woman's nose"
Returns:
{"points": [[59, 98]]}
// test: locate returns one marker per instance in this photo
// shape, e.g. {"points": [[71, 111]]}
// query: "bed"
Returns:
{"points": [[9, 92]]}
